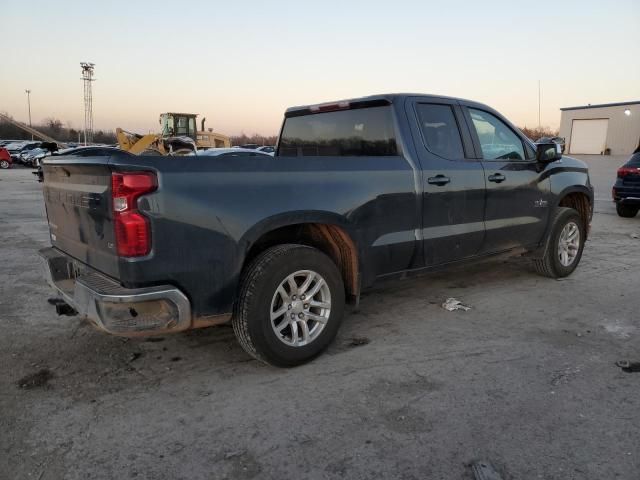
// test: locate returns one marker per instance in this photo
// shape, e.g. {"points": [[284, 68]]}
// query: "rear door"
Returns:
{"points": [[453, 181], [517, 199]]}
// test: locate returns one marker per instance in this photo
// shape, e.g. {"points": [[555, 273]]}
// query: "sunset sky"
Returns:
{"points": [[240, 64]]}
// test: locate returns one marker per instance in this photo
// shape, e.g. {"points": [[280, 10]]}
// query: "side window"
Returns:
{"points": [[347, 133], [440, 130], [497, 140]]}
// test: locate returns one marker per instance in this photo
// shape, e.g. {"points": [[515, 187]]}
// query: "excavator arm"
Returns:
{"points": [[137, 144]]}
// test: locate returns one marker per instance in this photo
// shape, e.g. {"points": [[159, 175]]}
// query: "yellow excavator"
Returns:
{"points": [[178, 136]]}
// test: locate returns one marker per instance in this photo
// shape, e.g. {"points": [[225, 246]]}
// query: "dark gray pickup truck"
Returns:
{"points": [[358, 190]]}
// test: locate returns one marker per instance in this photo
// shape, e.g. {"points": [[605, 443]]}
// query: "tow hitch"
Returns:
{"points": [[62, 307]]}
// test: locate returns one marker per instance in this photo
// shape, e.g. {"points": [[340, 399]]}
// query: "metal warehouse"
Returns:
{"points": [[606, 129]]}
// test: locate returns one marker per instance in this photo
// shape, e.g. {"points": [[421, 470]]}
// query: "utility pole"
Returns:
{"points": [[28, 92], [539, 95], [87, 78]]}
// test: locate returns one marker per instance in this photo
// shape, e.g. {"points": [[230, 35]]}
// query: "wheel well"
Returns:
{"points": [[579, 202], [329, 239]]}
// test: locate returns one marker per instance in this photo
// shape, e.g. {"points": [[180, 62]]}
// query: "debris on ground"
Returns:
{"points": [[628, 366], [134, 356], [561, 377], [484, 471], [635, 235], [236, 453], [452, 304], [176, 359], [357, 341], [36, 380]]}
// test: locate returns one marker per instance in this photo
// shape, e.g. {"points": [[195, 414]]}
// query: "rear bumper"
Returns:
{"points": [[111, 307], [630, 200], [626, 195]]}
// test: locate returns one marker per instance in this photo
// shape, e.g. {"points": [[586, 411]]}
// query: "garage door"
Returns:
{"points": [[589, 136]]}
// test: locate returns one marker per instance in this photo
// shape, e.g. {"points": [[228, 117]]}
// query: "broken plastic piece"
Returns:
{"points": [[452, 304], [485, 471], [628, 366]]}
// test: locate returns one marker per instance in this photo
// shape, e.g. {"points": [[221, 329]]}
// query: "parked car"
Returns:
{"points": [[32, 158], [250, 146], [80, 152], [5, 158], [626, 190], [90, 151], [267, 149], [359, 190], [558, 140], [4, 143], [228, 152], [16, 150]]}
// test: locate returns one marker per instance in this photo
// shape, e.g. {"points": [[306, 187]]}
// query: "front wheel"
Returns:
{"points": [[290, 305], [627, 211], [4, 164], [564, 246]]}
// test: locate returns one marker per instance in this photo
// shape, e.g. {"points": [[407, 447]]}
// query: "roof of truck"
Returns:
{"points": [[379, 99]]}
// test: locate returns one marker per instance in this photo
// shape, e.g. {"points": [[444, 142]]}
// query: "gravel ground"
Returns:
{"points": [[526, 379]]}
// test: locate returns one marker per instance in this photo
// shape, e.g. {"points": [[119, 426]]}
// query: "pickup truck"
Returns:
{"points": [[357, 191]]}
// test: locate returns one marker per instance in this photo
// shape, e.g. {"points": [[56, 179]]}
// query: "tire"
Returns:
{"points": [[627, 211], [4, 164], [553, 263], [263, 293]]}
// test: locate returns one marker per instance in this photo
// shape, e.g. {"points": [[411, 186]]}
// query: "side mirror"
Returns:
{"points": [[548, 152]]}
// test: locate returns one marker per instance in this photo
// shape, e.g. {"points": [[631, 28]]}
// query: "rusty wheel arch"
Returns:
{"points": [[580, 202], [330, 239]]}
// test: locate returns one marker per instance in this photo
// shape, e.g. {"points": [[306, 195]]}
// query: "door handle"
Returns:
{"points": [[497, 178], [438, 180]]}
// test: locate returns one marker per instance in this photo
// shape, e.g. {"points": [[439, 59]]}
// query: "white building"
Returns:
{"points": [[607, 129]]}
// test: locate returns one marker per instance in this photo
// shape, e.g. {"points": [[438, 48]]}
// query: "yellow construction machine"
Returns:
{"points": [[178, 136]]}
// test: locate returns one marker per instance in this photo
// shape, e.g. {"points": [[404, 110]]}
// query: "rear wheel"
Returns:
{"points": [[627, 211], [290, 305], [565, 243], [4, 164]]}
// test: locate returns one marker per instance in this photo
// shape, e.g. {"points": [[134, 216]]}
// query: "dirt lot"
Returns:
{"points": [[526, 379]]}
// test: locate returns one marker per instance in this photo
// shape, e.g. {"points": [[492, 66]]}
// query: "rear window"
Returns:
{"points": [[634, 161], [348, 133]]}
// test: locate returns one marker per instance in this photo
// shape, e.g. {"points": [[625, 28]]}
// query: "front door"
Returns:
{"points": [[453, 182], [517, 200]]}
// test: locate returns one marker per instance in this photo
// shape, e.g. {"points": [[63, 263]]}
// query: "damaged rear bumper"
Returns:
{"points": [[112, 307]]}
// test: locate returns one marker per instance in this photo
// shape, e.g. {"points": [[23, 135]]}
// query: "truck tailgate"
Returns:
{"points": [[78, 201]]}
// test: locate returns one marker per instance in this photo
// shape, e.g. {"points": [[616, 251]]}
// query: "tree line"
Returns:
{"points": [[539, 132], [55, 128], [257, 139]]}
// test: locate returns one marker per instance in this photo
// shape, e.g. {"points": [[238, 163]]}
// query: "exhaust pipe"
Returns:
{"points": [[202, 123]]}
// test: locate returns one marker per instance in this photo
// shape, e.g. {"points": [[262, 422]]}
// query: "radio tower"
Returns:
{"points": [[87, 78]]}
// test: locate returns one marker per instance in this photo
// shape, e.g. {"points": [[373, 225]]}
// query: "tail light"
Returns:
{"points": [[133, 233], [624, 171]]}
